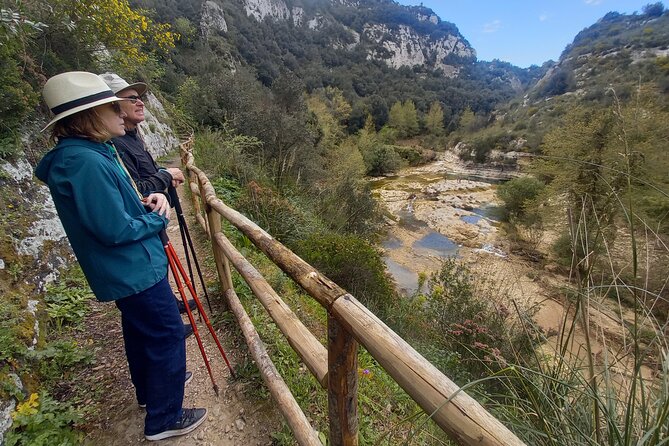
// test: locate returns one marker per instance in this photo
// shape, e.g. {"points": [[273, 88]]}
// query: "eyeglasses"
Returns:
{"points": [[116, 107], [134, 98]]}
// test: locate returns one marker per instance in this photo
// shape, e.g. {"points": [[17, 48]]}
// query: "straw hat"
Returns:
{"points": [[118, 84], [69, 93]]}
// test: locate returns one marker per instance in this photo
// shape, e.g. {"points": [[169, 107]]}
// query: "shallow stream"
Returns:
{"points": [[417, 238]]}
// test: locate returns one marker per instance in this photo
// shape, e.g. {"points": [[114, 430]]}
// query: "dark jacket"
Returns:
{"points": [[113, 236], [147, 175]]}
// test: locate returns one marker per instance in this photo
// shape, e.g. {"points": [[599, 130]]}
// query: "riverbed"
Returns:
{"points": [[434, 212], [444, 209]]}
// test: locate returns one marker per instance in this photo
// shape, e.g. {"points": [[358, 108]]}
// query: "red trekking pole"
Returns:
{"points": [[178, 271]]}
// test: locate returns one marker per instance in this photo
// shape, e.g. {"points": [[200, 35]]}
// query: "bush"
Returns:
{"points": [[517, 196], [283, 217], [381, 159], [42, 421], [467, 315], [353, 264]]}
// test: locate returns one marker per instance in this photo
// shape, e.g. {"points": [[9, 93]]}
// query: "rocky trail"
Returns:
{"points": [[115, 417]]}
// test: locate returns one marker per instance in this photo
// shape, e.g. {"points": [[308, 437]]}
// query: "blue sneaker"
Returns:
{"points": [[190, 420]]}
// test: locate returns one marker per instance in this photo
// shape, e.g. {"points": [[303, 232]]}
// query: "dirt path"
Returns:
{"points": [[116, 419]]}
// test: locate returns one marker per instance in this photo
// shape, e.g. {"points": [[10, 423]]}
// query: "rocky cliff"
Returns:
{"points": [[400, 36]]}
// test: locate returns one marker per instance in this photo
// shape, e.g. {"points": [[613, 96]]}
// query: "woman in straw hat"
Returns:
{"points": [[114, 233]]}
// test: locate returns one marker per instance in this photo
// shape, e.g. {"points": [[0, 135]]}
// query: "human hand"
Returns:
{"points": [[177, 176], [158, 203]]}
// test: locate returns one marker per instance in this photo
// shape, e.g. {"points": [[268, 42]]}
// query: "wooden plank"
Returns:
{"points": [[313, 353], [342, 385], [297, 421], [462, 418]]}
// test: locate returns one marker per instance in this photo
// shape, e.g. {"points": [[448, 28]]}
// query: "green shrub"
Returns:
{"points": [[66, 300], [517, 196], [58, 360], [468, 316], [381, 159], [353, 264], [43, 421], [285, 218]]}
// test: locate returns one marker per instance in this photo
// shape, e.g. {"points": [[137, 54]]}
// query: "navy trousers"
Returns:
{"points": [[153, 333]]}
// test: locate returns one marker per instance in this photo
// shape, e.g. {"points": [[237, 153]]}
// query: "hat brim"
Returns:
{"points": [[139, 87], [74, 110]]}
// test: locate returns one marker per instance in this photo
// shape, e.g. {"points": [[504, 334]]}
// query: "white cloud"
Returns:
{"points": [[492, 27], [592, 2], [543, 17]]}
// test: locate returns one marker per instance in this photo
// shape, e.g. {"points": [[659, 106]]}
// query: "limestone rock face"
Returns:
{"points": [[158, 135], [38, 241], [212, 20], [406, 47], [274, 9]]}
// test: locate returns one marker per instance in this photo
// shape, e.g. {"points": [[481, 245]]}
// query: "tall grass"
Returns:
{"points": [[605, 379]]}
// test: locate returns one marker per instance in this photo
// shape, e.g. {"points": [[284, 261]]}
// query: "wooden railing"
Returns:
{"points": [[349, 323]]}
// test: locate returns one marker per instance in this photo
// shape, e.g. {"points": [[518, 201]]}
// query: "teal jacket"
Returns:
{"points": [[113, 236]]}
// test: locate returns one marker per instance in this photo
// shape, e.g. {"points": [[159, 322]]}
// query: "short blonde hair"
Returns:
{"points": [[86, 123]]}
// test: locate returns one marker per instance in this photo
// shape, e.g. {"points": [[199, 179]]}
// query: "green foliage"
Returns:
{"points": [[380, 158], [39, 39], [17, 97], [225, 151], [352, 263], [282, 216], [653, 9], [57, 361], [518, 197], [434, 120], [404, 118], [43, 421], [66, 300], [15, 330]]}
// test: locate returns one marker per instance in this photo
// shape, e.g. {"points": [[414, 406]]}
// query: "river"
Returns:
{"points": [[436, 211]]}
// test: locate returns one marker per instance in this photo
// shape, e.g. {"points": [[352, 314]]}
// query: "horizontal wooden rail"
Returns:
{"points": [[459, 415], [299, 425], [312, 352]]}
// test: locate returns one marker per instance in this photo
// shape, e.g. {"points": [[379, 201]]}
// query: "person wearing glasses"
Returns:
{"points": [[114, 232], [148, 176]]}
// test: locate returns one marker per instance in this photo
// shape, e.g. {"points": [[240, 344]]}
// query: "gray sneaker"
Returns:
{"points": [[190, 420]]}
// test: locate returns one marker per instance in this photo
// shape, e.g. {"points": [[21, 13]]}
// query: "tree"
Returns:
{"points": [[410, 118], [654, 9], [396, 116], [434, 121], [518, 196], [404, 118]]}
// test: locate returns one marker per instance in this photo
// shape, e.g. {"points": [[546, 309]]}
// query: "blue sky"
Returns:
{"points": [[524, 32]]}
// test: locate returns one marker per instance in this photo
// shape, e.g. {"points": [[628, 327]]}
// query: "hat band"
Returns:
{"points": [[82, 101]]}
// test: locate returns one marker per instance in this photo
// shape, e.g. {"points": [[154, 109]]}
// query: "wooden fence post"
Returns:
{"points": [[186, 149], [222, 263], [342, 385]]}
